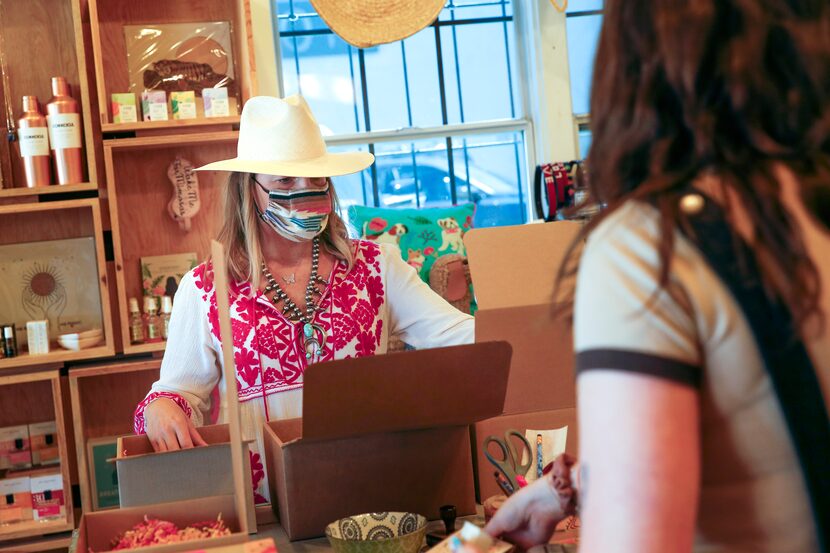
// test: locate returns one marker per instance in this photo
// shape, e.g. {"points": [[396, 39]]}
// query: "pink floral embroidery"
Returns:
{"points": [[247, 366], [138, 416], [268, 348], [365, 344], [257, 475]]}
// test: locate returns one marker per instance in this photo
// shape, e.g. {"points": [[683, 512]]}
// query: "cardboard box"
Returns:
{"points": [[97, 530], [47, 497], [15, 500], [258, 546], [146, 477], [43, 439], [514, 271], [15, 449], [384, 433]]}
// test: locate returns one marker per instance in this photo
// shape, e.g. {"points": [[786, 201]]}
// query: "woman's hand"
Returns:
{"points": [[530, 516], [168, 427]]}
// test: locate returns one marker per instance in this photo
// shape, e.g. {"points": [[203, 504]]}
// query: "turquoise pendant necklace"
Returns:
{"points": [[314, 336]]}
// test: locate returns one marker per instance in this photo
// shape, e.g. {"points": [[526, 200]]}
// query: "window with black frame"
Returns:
{"points": [[441, 110]]}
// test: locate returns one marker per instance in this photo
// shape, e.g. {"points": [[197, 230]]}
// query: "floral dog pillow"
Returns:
{"points": [[423, 235]]}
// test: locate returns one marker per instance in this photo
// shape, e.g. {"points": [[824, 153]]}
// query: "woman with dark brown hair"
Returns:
{"points": [[700, 317]]}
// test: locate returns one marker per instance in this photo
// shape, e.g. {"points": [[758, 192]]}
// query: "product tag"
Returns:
{"points": [[34, 141], [64, 130]]}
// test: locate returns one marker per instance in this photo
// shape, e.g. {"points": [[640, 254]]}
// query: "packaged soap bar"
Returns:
{"points": [[15, 450], [123, 108], [183, 104], [43, 438], [154, 105], [37, 336], [47, 497], [216, 102], [15, 500]]}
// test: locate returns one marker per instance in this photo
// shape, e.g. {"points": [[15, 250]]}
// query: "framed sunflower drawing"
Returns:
{"points": [[54, 280]]}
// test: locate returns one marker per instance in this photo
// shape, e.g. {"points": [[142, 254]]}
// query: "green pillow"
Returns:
{"points": [[423, 235]]}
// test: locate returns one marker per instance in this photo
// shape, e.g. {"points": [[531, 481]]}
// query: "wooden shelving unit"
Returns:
{"points": [[104, 397], [173, 124], [47, 190], [32, 63], [108, 18], [35, 222], [136, 171], [28, 398]]}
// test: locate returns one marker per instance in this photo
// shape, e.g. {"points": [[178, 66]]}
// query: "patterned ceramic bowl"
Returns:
{"points": [[378, 533]]}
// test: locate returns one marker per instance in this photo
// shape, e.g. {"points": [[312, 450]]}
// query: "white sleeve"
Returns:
{"points": [[419, 316], [190, 367]]}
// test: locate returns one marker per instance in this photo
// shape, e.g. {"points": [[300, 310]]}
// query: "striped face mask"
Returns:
{"points": [[297, 215]]}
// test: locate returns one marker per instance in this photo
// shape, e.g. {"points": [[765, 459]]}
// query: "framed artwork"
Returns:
{"points": [[161, 274], [178, 57], [54, 280], [103, 476]]}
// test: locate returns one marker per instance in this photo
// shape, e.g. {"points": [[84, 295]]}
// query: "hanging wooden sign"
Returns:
{"points": [[185, 202]]}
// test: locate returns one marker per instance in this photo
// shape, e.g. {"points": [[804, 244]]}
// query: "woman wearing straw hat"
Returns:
{"points": [[301, 291]]}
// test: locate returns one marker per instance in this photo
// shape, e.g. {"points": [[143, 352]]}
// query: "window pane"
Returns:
{"points": [[475, 9], [490, 172], [584, 142], [582, 5], [583, 34], [402, 82], [353, 189], [297, 15], [323, 68], [476, 62]]}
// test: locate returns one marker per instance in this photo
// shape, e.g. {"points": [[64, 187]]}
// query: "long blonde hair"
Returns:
{"points": [[240, 230]]}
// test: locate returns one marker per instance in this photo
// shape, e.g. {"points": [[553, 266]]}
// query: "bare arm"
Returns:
{"points": [[640, 457]]}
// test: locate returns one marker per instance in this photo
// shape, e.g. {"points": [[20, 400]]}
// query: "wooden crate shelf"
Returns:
{"points": [[103, 400], [137, 176], [36, 222], [47, 190], [28, 398], [44, 39], [108, 18], [59, 542], [171, 124]]}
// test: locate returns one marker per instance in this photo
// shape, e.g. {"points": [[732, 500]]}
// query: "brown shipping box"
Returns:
{"points": [[384, 433], [146, 477], [514, 272], [97, 529]]}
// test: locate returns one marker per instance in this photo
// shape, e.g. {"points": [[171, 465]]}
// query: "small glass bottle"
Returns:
{"points": [[136, 323], [166, 309], [152, 321]]}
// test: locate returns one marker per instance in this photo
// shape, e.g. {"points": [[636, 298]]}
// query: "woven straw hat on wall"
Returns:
{"points": [[365, 23]]}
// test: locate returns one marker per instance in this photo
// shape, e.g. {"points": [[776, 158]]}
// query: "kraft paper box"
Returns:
{"points": [[541, 391], [384, 433], [15, 500], [43, 437], [97, 529], [47, 497], [15, 449], [154, 105], [216, 102], [146, 477], [258, 546], [183, 104], [124, 109]]}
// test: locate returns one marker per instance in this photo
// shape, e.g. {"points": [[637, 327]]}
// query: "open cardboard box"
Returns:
{"points": [[146, 477], [384, 433], [97, 529], [514, 272]]}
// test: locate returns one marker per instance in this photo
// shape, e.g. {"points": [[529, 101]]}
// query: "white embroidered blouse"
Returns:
{"points": [[380, 296]]}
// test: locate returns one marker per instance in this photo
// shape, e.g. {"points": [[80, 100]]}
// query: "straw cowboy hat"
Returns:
{"points": [[281, 137], [365, 23]]}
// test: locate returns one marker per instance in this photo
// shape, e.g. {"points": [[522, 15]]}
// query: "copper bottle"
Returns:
{"points": [[65, 133], [33, 137]]}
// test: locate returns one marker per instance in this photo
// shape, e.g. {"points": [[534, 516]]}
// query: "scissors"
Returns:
{"points": [[509, 465]]}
